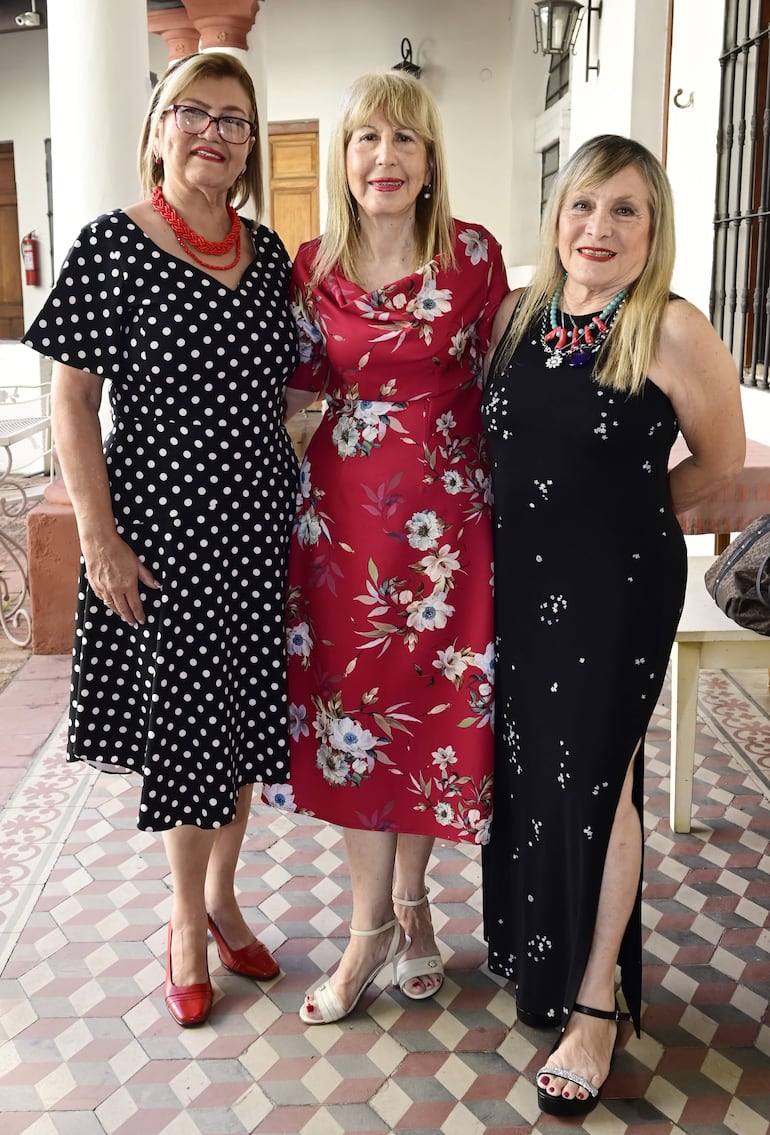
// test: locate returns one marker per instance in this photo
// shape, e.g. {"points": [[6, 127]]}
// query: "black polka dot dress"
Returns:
{"points": [[203, 479]]}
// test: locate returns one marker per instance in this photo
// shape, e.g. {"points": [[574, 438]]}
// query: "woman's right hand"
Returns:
{"points": [[115, 572]]}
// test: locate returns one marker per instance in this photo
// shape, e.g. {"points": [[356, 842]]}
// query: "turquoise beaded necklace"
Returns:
{"points": [[577, 345]]}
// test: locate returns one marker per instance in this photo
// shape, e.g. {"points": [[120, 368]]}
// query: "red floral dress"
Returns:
{"points": [[391, 655]]}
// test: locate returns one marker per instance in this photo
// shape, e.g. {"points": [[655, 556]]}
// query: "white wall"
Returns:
{"points": [[692, 130], [756, 412], [691, 164], [24, 120], [648, 84], [96, 109], [528, 87], [465, 52], [626, 95], [478, 60]]}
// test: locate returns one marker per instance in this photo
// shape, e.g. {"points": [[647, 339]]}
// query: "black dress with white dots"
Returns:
{"points": [[590, 565], [203, 479]]}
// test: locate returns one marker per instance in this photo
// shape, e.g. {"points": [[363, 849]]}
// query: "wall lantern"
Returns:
{"points": [[406, 60], [556, 27]]}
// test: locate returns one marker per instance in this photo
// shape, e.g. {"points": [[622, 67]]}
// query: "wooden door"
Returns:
{"points": [[294, 181], [11, 310]]}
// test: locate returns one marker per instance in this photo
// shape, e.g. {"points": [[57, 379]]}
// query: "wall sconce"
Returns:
{"points": [[598, 9], [556, 25], [406, 60]]}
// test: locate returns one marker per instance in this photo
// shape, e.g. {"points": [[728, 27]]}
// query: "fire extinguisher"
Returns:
{"points": [[30, 254]]}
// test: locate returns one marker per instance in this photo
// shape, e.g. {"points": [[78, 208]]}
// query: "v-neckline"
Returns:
{"points": [[252, 228]]}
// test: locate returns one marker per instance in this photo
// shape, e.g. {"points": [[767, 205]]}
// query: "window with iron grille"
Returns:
{"points": [[740, 292], [549, 167]]}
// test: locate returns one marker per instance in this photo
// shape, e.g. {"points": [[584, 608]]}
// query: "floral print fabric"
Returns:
{"points": [[391, 661]]}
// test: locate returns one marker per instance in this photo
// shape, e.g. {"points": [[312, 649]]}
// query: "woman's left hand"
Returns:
{"points": [[115, 572]]}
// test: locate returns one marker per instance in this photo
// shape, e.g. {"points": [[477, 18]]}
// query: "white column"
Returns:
{"points": [[254, 62], [691, 156], [625, 96], [99, 86]]}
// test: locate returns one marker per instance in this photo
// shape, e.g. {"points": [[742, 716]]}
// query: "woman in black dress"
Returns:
{"points": [[184, 518], [597, 367]]}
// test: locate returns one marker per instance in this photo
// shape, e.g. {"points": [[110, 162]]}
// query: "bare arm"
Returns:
{"points": [[113, 568], [502, 318], [695, 369]]}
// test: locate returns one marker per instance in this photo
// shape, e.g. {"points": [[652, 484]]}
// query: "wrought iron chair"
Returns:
{"points": [[26, 462]]}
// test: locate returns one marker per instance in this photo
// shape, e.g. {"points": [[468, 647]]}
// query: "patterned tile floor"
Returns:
{"points": [[86, 1046]]}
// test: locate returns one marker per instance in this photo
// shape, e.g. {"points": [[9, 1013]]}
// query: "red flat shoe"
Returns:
{"points": [[189, 1005], [254, 960]]}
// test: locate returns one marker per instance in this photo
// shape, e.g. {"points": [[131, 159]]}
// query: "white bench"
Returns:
{"points": [[705, 640]]}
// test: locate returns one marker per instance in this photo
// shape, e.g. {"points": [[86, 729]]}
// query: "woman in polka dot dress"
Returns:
{"points": [[184, 518]]}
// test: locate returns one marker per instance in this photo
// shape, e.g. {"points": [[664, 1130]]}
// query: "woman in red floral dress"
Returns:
{"points": [[390, 637]]}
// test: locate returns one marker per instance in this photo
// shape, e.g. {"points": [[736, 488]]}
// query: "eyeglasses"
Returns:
{"points": [[193, 120]]}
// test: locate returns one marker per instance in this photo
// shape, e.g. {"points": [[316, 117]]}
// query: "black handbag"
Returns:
{"points": [[739, 579]]}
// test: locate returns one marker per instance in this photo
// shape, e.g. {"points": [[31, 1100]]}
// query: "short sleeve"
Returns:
{"points": [[82, 322], [313, 370]]}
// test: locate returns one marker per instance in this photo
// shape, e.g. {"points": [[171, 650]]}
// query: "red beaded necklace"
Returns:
{"points": [[189, 239]]}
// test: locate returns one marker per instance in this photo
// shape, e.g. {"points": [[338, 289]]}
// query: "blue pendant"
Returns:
{"points": [[580, 358]]}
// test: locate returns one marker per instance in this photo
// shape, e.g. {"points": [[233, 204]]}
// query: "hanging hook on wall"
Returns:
{"points": [[406, 63], [678, 97]]}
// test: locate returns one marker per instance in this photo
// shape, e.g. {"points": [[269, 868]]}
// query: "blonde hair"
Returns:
{"points": [[625, 356], [169, 90], [403, 101]]}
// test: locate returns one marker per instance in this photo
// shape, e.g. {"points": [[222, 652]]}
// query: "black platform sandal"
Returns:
{"points": [[558, 1105]]}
